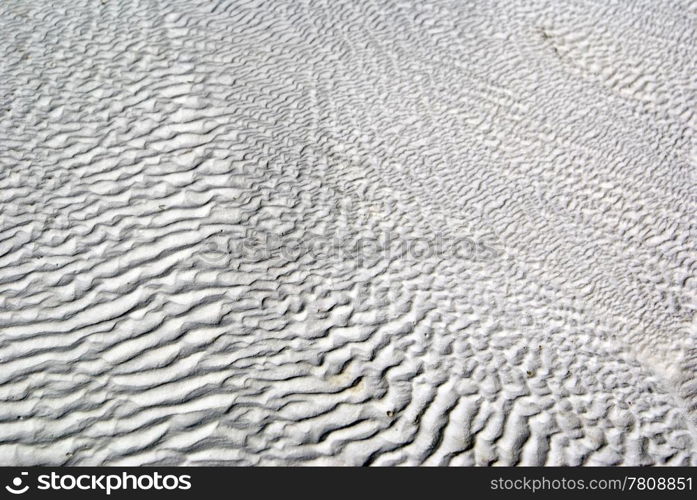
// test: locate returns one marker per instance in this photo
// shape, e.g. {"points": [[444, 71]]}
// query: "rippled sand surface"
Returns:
{"points": [[348, 232]]}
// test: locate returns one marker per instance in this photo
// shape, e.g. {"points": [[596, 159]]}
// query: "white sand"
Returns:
{"points": [[142, 141]]}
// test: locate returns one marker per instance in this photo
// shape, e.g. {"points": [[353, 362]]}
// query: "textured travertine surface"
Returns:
{"points": [[191, 193]]}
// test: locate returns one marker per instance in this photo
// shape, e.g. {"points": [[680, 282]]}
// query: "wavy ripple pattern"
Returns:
{"points": [[138, 139]]}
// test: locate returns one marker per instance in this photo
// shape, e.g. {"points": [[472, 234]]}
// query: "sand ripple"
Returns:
{"points": [[185, 187]]}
